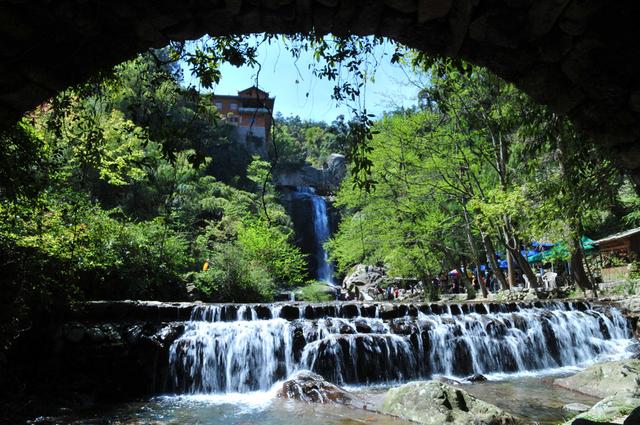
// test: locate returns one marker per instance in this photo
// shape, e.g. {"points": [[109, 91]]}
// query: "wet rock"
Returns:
{"points": [[605, 379], [349, 311], [476, 377], [519, 322], [167, 334], [362, 326], [433, 402], [132, 333], [95, 335], [401, 327], [634, 349], [346, 329], [496, 329], [480, 309], [309, 312], [263, 312], [388, 312], [512, 307], [298, 342], [575, 408], [462, 358], [290, 312], [368, 310], [312, 388], [229, 313]]}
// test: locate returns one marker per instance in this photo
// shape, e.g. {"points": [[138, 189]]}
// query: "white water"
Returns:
{"points": [[321, 232], [251, 355]]}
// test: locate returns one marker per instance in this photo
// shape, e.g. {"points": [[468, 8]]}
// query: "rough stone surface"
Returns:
{"points": [[433, 402], [324, 180], [312, 388], [575, 408], [579, 57], [605, 379], [614, 409], [104, 361], [363, 276]]}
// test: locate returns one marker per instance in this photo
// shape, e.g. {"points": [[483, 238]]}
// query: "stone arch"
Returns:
{"points": [[581, 57]]}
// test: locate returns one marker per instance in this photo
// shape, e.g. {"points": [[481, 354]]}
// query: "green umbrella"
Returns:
{"points": [[560, 251]]}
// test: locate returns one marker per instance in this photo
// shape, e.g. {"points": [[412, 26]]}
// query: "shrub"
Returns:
{"points": [[316, 292]]}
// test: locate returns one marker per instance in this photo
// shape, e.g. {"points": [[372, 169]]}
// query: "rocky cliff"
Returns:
{"points": [[324, 180]]}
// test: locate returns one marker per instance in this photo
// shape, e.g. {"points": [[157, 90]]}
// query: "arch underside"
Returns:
{"points": [[581, 57]]}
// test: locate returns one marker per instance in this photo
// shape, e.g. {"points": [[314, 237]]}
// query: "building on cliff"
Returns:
{"points": [[250, 112]]}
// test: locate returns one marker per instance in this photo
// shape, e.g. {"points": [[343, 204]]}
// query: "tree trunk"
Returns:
{"points": [[577, 266], [511, 274], [474, 251], [525, 267], [491, 258]]}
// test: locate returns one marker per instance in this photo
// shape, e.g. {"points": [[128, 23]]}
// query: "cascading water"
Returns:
{"points": [[256, 346], [321, 232]]}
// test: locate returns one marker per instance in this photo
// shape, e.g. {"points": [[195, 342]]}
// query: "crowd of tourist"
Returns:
{"points": [[456, 281]]}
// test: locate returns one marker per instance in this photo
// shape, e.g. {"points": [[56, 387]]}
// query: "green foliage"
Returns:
{"points": [[403, 223], [109, 192], [297, 142], [270, 247], [315, 292], [478, 167], [234, 276]]}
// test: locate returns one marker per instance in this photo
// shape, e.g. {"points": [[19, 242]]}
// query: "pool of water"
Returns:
{"points": [[533, 398], [233, 409]]}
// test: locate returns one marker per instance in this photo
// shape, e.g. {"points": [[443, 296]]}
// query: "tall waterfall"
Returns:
{"points": [[256, 346], [321, 232]]}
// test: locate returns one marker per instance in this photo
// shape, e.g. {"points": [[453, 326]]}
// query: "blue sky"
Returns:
{"points": [[290, 81]]}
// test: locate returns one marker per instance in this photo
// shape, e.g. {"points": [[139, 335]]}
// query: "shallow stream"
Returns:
{"points": [[535, 399]]}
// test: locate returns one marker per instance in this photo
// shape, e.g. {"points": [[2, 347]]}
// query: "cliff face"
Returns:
{"points": [[324, 180]]}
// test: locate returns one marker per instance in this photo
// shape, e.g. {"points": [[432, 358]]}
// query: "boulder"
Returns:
{"points": [[616, 409], [312, 388], [363, 276], [433, 402], [476, 377], [605, 379]]}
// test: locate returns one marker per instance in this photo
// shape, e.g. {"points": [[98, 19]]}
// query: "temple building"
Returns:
{"points": [[250, 112]]}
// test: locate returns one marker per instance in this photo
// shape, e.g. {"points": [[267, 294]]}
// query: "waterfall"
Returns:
{"points": [[246, 348], [321, 232]]}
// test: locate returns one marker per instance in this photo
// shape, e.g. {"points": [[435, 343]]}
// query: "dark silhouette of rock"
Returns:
{"points": [[476, 378]]}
